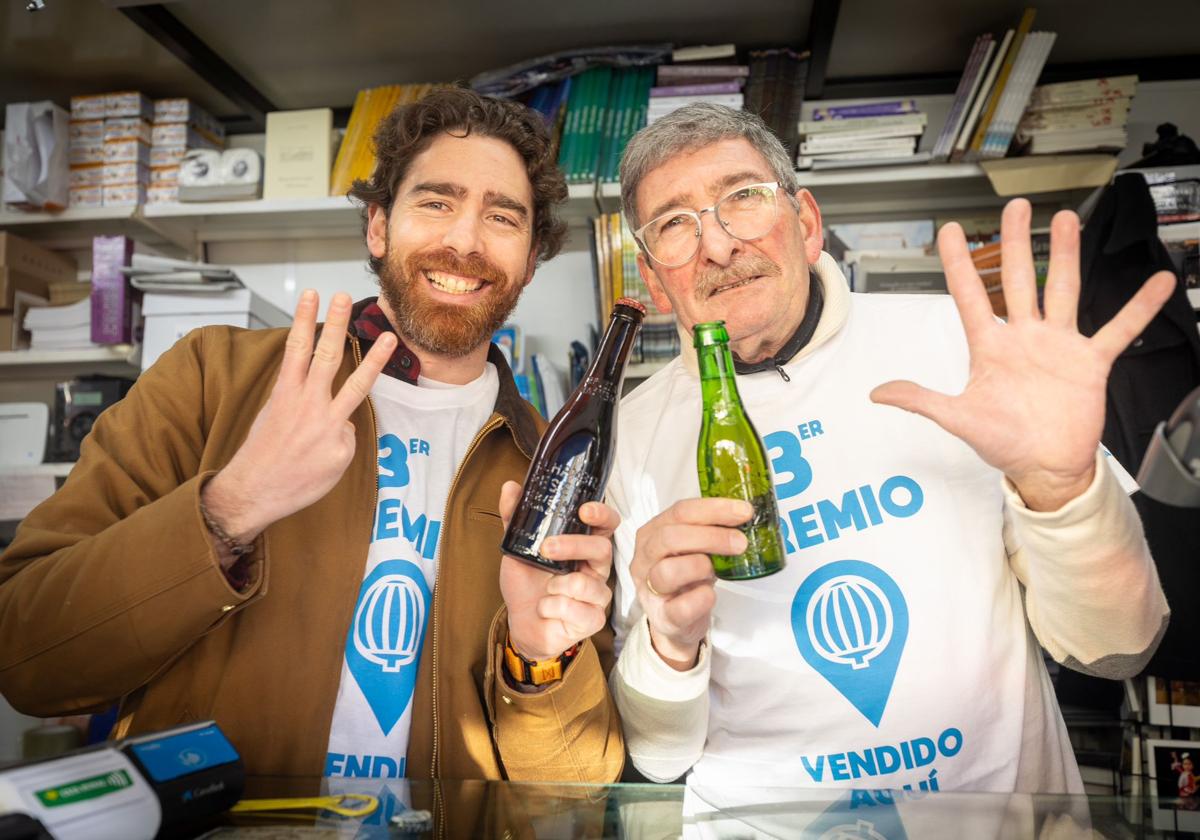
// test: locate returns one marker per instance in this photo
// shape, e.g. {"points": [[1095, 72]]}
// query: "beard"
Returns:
{"points": [[438, 327], [750, 265]]}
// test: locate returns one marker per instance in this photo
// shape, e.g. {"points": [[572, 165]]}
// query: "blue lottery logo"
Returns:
{"points": [[850, 621], [859, 816], [383, 650], [393, 462]]}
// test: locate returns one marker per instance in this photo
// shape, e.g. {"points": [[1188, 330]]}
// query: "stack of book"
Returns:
{"points": [[162, 274], [863, 134], [67, 327], [616, 275], [992, 93], [1088, 115], [356, 157], [775, 91], [605, 106], [698, 74], [68, 291]]}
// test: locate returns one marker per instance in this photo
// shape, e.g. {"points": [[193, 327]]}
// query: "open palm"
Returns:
{"points": [[1033, 406]]}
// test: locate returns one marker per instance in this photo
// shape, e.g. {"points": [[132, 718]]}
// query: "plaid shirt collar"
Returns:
{"points": [[372, 323]]}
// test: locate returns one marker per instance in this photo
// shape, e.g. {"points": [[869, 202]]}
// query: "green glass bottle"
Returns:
{"points": [[732, 460]]}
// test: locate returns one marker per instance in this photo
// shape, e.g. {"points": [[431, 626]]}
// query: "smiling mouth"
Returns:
{"points": [[736, 285], [453, 284]]}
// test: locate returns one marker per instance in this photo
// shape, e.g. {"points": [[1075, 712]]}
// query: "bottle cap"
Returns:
{"points": [[631, 303], [709, 333]]}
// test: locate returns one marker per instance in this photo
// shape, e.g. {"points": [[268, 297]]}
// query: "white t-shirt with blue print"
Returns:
{"points": [[424, 433]]}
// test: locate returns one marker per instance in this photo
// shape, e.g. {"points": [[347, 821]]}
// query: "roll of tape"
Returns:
{"points": [[241, 166], [200, 168]]}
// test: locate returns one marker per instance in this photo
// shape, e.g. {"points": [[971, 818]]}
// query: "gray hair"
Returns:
{"points": [[690, 128]]}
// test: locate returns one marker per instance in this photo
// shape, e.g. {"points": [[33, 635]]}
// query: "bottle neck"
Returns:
{"points": [[717, 382], [613, 352]]}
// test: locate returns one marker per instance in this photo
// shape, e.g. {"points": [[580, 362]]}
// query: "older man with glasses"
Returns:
{"points": [[926, 561]]}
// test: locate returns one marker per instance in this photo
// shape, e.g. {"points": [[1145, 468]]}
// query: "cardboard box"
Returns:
{"points": [[169, 317], [88, 154], [182, 135], [8, 339], [164, 176], [186, 111], [88, 107], [85, 197], [126, 128], [162, 193], [85, 132], [128, 104], [116, 174], [86, 176], [21, 258], [127, 151], [124, 195]]}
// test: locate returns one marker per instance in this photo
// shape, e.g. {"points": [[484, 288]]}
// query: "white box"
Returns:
{"points": [[124, 195], [128, 104], [169, 317]]}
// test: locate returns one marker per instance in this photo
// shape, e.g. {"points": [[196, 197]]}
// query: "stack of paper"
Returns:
{"points": [[162, 274], [60, 327]]}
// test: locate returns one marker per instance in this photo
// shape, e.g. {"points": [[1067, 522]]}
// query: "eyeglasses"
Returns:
{"points": [[673, 238]]}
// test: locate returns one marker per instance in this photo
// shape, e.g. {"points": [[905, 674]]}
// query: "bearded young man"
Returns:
{"points": [[268, 533]]}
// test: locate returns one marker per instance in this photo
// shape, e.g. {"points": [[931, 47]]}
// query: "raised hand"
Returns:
{"points": [[1033, 406], [548, 613], [673, 571], [302, 440]]}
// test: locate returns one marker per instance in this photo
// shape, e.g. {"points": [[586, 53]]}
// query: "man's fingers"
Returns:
{"points": [[327, 356], [580, 587], [910, 396], [1135, 315], [688, 607], [671, 539], [510, 494], [579, 619], [1061, 301], [1016, 261], [356, 387], [595, 550], [962, 281], [600, 517], [714, 511], [675, 574], [298, 350]]}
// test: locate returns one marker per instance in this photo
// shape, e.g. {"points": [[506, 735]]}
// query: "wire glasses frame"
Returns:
{"points": [[745, 213]]}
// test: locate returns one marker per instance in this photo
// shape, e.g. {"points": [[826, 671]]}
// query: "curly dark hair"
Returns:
{"points": [[410, 128]]}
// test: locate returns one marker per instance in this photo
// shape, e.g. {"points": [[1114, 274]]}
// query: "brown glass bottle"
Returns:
{"points": [[574, 457]]}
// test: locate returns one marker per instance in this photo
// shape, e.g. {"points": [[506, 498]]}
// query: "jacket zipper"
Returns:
{"points": [[487, 427]]}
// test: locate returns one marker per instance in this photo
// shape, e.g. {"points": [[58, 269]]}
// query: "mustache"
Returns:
{"points": [[751, 265], [471, 265]]}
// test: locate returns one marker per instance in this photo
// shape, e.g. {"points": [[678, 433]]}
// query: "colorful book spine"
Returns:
{"points": [[945, 139], [866, 109], [696, 90], [997, 92]]}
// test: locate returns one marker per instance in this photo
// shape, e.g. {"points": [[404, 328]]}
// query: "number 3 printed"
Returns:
{"points": [[789, 462]]}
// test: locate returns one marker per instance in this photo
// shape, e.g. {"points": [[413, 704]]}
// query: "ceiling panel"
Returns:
{"points": [[304, 54], [74, 47], [308, 53], [878, 38]]}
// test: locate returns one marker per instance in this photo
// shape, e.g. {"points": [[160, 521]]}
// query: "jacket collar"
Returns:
{"points": [[511, 407], [835, 309]]}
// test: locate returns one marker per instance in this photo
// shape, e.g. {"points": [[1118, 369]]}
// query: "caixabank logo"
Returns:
{"points": [[850, 621]]}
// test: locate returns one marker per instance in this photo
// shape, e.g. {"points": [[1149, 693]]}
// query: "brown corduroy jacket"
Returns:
{"points": [[111, 590]]}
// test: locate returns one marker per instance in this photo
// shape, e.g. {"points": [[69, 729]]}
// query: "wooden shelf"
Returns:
{"points": [[57, 470], [186, 226], [115, 360]]}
